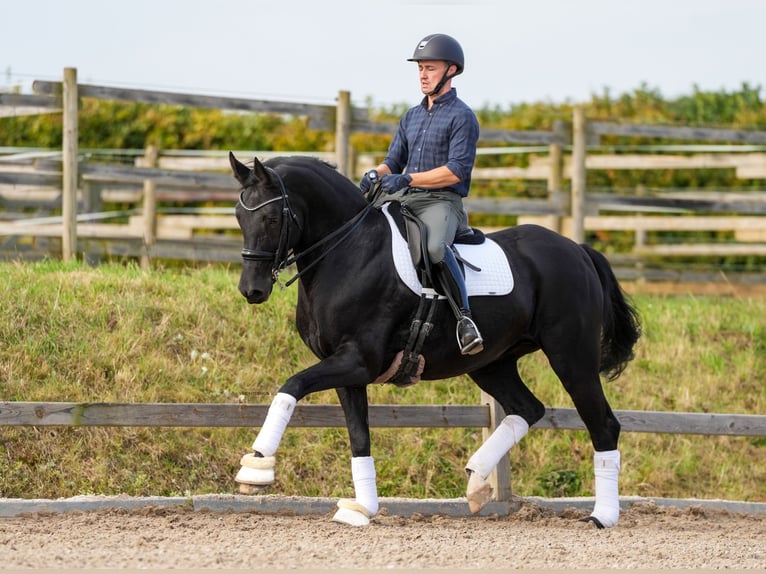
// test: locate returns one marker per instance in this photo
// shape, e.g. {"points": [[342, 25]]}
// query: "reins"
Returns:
{"points": [[281, 258]]}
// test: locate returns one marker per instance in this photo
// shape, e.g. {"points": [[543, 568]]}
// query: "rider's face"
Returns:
{"points": [[430, 73]]}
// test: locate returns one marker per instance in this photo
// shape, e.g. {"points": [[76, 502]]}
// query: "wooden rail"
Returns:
{"points": [[383, 416], [12, 105], [678, 132], [322, 116]]}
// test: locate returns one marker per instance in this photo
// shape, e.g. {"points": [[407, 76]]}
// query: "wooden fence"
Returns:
{"points": [[70, 191], [63, 182], [486, 416]]}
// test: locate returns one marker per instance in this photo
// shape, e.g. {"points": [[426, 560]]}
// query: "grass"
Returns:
{"points": [[118, 333]]}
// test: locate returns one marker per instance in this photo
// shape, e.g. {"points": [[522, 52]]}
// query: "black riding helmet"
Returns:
{"points": [[440, 47]]}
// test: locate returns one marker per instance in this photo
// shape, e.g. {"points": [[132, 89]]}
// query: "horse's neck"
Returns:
{"points": [[329, 226], [335, 239], [323, 217]]}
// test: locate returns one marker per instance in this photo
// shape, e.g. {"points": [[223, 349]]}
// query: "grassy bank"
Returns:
{"points": [[72, 333]]}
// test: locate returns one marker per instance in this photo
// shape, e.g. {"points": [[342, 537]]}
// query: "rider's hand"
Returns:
{"points": [[367, 181], [393, 182]]}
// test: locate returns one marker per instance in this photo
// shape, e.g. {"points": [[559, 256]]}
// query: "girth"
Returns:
{"points": [[408, 372]]}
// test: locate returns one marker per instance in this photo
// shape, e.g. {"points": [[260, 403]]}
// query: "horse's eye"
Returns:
{"points": [[273, 221]]}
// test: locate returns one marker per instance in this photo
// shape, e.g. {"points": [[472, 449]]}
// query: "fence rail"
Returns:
{"points": [[382, 416], [12, 105], [321, 116]]}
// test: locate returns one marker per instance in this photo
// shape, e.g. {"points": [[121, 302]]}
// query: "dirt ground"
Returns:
{"points": [[647, 537]]}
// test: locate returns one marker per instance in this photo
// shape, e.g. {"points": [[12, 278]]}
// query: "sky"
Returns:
{"points": [[308, 50]]}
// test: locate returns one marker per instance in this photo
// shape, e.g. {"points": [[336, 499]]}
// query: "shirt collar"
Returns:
{"points": [[447, 98]]}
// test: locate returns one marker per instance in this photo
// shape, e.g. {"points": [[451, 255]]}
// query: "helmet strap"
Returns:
{"points": [[445, 78]]}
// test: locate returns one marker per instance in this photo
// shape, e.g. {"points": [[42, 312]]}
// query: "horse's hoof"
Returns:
{"points": [[256, 470], [593, 520], [251, 489], [352, 513], [478, 493]]}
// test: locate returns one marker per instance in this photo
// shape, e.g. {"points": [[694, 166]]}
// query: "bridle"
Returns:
{"points": [[281, 257]]}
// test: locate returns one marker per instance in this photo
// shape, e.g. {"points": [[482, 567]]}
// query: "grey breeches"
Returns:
{"points": [[441, 212]]}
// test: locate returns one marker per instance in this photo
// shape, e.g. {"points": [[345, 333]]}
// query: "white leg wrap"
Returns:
{"points": [[359, 511], [274, 426], [365, 489], [606, 467], [510, 431]]}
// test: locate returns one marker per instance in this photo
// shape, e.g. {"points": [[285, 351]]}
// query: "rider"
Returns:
{"points": [[436, 143]]}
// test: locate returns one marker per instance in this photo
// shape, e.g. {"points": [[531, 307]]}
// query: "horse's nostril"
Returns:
{"points": [[254, 295], [251, 294]]}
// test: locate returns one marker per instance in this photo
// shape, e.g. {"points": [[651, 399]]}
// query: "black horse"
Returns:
{"points": [[355, 312]]}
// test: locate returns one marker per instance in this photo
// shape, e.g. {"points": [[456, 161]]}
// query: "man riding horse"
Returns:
{"points": [[561, 298], [436, 145]]}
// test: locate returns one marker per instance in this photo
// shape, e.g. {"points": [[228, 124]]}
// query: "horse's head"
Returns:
{"points": [[267, 222]]}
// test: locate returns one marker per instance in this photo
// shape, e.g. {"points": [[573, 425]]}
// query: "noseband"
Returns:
{"points": [[280, 257]]}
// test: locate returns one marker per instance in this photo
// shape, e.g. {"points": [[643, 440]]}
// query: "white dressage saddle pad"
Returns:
{"points": [[495, 277]]}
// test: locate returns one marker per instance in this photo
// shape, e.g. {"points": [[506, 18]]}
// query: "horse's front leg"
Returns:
{"points": [[343, 368], [257, 467], [358, 512]]}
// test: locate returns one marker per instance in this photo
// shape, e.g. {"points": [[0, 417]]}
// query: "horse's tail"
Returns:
{"points": [[622, 325]]}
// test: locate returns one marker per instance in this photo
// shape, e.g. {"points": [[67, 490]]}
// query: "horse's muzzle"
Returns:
{"points": [[255, 291], [256, 298]]}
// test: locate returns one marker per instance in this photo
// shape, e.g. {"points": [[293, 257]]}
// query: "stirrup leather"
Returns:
{"points": [[468, 337]]}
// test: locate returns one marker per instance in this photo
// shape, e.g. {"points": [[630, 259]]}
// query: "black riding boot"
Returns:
{"points": [[468, 336]]}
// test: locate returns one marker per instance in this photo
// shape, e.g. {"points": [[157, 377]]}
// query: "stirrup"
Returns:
{"points": [[466, 329]]}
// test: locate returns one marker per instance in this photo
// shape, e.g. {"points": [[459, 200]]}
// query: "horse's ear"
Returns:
{"points": [[259, 170], [241, 171]]}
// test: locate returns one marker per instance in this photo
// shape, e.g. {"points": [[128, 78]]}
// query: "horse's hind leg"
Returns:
{"points": [[575, 359], [501, 380]]}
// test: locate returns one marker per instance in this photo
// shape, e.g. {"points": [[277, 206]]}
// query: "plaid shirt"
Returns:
{"points": [[445, 135]]}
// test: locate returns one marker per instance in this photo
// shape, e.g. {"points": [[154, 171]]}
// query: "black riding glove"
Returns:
{"points": [[393, 182], [369, 178]]}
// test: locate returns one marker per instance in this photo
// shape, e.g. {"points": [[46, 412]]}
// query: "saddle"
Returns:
{"points": [[416, 234]]}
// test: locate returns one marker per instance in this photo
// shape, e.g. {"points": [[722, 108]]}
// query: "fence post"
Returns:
{"points": [[556, 173], [150, 207], [579, 150], [343, 132], [500, 478], [69, 168]]}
